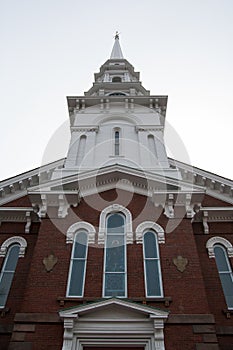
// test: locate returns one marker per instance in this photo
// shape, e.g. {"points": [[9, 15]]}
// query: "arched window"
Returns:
{"points": [[225, 273], [152, 270], [8, 270], [116, 79], [115, 208], [116, 142], [117, 94], [78, 265], [115, 257]]}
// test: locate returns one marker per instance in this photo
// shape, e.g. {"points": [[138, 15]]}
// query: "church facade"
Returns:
{"points": [[117, 245]]}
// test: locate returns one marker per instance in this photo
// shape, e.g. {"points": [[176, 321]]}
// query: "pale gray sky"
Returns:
{"points": [[51, 48]]}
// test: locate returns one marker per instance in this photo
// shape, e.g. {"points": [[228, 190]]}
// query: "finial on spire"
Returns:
{"points": [[116, 51], [117, 35]]}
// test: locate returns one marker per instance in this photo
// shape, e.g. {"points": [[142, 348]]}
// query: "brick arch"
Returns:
{"points": [[115, 208], [150, 225], [14, 240], [218, 240], [81, 225]]}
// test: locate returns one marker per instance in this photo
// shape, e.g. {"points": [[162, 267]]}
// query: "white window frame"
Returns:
{"points": [[115, 208], [71, 266], [219, 240], [13, 240], [159, 266], [81, 225], [227, 248], [150, 225], [4, 252], [119, 130], [125, 258]]}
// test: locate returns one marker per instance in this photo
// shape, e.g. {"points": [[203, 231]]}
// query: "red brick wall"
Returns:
{"points": [[46, 336], [35, 290], [181, 287], [180, 337], [213, 286]]}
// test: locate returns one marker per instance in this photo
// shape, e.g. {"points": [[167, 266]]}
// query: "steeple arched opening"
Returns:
{"points": [[116, 80]]}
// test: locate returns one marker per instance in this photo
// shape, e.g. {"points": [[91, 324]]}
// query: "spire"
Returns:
{"points": [[116, 50]]}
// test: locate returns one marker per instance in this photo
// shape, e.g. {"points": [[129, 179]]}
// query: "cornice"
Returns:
{"points": [[84, 129], [189, 201], [80, 103], [165, 192], [92, 181], [16, 187], [148, 128], [19, 214], [213, 214], [43, 201], [215, 185], [144, 182]]}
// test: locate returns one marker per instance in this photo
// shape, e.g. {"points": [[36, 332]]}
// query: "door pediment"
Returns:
{"points": [[113, 308], [113, 321]]}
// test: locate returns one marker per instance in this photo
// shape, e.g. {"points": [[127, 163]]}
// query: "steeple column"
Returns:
{"points": [[73, 149], [144, 155], [161, 150]]}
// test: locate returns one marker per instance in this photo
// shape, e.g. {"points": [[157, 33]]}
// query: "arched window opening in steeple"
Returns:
{"points": [[7, 273], [115, 257], [117, 94], [117, 142], [81, 149], [225, 273], [116, 79], [78, 265], [152, 270]]}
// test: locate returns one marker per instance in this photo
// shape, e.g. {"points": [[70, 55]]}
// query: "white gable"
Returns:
{"points": [[113, 321]]}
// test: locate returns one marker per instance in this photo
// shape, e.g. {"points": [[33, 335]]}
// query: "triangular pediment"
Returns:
{"points": [[66, 191], [114, 321], [39, 180], [115, 176], [113, 309]]}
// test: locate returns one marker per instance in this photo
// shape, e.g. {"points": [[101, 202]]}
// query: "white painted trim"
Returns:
{"points": [[21, 182], [227, 290], [115, 208], [14, 240], [108, 170], [143, 330], [147, 343], [149, 225], [121, 117], [114, 301], [81, 225], [215, 185], [119, 129], [226, 196], [219, 240]]}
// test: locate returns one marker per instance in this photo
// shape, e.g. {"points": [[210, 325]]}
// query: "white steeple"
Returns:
{"points": [[116, 50], [117, 77], [117, 122]]}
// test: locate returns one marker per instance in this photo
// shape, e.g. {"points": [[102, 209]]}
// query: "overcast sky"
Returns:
{"points": [[50, 49]]}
